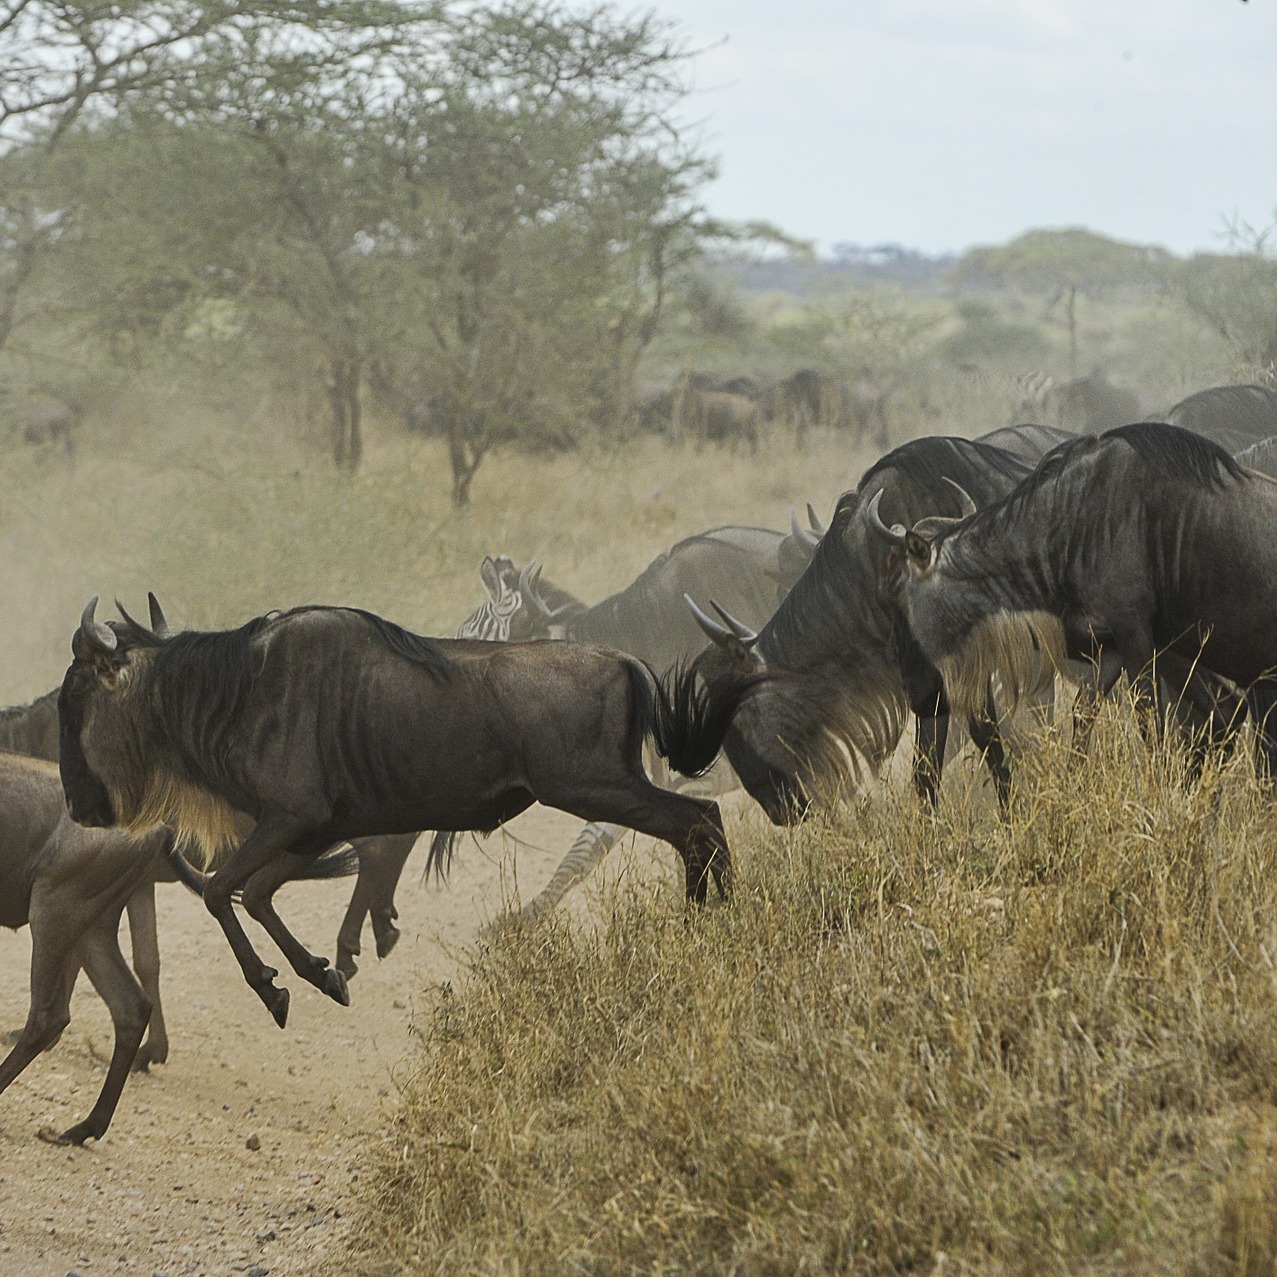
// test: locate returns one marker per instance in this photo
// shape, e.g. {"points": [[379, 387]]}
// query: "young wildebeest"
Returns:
{"points": [[842, 666], [324, 724], [748, 569], [71, 885], [1147, 540]]}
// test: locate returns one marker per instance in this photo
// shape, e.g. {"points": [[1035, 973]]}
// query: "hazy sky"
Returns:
{"points": [[944, 123]]}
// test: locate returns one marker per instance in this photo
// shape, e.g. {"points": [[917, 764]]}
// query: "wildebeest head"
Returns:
{"points": [[94, 740]]}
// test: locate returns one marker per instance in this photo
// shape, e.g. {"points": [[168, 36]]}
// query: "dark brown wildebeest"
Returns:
{"points": [[324, 724], [1147, 541], [70, 884], [842, 668], [1235, 417], [719, 416]]}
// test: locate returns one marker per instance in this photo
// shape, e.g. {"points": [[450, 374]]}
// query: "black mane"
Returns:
{"points": [[1178, 453]]}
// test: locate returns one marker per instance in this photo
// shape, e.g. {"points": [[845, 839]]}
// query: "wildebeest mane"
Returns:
{"points": [[1167, 450], [1178, 453], [926, 464]]}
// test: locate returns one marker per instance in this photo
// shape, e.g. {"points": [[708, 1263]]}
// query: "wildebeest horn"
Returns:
{"points": [[968, 506], [816, 526], [875, 521], [719, 633], [529, 579], [800, 534], [742, 632], [159, 622], [99, 636]]}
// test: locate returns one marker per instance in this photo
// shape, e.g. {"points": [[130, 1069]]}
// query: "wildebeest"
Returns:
{"points": [[1235, 417], [324, 724], [842, 666], [1091, 403], [71, 885], [1148, 540], [750, 569], [1030, 441], [719, 416], [33, 730]]}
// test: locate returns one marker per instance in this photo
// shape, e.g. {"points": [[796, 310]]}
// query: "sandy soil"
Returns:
{"points": [[175, 1187]]}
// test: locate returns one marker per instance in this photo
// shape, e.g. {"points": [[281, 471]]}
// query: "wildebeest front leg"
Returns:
{"points": [[271, 838], [988, 740], [144, 940], [931, 735], [99, 953]]}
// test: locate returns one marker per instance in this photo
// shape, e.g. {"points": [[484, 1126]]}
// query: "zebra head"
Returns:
{"points": [[516, 608]]}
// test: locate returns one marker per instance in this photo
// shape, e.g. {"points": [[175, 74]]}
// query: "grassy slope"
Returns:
{"points": [[909, 1044]]}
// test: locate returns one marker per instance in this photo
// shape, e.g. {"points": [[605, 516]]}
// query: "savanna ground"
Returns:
{"points": [[910, 1043]]}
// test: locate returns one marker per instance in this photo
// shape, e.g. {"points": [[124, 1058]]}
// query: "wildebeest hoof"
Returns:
{"points": [[347, 965], [334, 984], [387, 940], [76, 1134], [277, 1004]]}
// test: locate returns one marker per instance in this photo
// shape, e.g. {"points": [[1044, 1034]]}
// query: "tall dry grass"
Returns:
{"points": [[223, 534], [910, 1043]]}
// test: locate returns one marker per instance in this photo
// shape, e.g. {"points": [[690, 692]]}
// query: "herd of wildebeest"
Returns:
{"points": [[958, 575]]}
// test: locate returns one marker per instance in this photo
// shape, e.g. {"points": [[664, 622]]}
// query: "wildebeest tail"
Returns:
{"points": [[341, 861], [443, 846], [685, 719]]}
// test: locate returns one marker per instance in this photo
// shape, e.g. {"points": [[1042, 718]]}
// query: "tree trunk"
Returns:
{"points": [[343, 395]]}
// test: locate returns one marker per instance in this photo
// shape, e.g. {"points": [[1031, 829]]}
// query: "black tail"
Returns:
{"points": [[686, 719], [341, 861], [443, 847]]}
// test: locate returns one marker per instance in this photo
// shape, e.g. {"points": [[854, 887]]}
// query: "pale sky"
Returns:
{"points": [[939, 124]]}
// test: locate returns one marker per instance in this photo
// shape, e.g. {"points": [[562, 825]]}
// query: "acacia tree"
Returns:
{"points": [[544, 193], [1235, 295], [65, 64]]}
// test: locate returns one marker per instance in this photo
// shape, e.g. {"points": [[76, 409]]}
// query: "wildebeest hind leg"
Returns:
{"points": [[692, 826]]}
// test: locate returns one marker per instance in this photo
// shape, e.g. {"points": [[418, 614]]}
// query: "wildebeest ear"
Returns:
{"points": [[918, 548]]}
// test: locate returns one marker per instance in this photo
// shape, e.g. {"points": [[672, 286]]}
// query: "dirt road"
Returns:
{"points": [[175, 1187]]}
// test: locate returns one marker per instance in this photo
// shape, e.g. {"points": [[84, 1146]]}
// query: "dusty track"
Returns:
{"points": [[174, 1187]]}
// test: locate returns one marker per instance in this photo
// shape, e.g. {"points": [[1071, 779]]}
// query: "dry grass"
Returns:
{"points": [[910, 1043], [222, 535]]}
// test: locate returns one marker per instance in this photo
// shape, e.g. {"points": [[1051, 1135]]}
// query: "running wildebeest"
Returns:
{"points": [[324, 724], [1146, 541], [842, 667], [33, 730], [749, 569], [71, 885]]}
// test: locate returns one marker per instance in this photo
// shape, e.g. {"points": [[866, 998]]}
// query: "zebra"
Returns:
{"points": [[1026, 396], [755, 567]]}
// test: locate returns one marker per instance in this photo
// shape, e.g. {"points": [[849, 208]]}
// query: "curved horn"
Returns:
{"points": [[97, 635], [743, 632], [968, 506], [816, 526], [874, 519], [719, 633], [799, 533], [529, 579], [159, 623]]}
